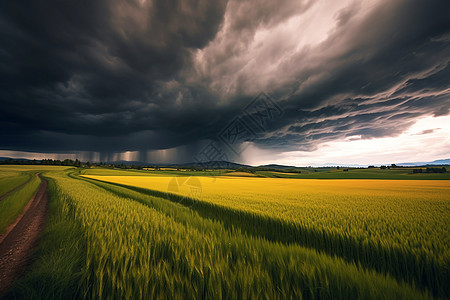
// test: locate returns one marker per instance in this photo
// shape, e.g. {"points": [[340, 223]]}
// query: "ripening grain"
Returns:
{"points": [[400, 227], [140, 246], [398, 212]]}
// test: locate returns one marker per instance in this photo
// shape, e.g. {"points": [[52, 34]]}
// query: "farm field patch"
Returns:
{"points": [[395, 217]]}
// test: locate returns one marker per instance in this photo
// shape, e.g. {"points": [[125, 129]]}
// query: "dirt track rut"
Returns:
{"points": [[21, 237]]}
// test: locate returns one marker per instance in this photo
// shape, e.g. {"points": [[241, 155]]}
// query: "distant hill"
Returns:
{"points": [[209, 164], [435, 162], [218, 164], [275, 166], [17, 159], [341, 165]]}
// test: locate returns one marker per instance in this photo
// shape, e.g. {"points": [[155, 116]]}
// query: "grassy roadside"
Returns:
{"points": [[11, 180], [14, 203], [57, 270]]}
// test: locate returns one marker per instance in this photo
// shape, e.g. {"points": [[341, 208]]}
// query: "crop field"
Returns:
{"points": [[121, 235], [163, 173], [15, 202], [10, 180], [376, 173], [403, 221], [17, 185], [405, 173]]}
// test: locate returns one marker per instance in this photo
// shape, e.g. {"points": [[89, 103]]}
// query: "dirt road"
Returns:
{"points": [[21, 237]]}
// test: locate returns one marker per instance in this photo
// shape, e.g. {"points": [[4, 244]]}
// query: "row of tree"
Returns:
{"points": [[51, 162], [430, 170]]}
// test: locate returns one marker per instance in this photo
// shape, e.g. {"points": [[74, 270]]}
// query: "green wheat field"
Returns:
{"points": [[117, 234]]}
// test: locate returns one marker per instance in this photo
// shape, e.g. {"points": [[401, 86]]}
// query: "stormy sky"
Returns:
{"points": [[254, 81]]}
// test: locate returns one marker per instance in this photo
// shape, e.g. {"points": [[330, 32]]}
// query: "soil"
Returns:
{"points": [[21, 238]]}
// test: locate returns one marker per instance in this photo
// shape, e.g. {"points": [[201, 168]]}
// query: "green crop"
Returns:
{"points": [[137, 246]]}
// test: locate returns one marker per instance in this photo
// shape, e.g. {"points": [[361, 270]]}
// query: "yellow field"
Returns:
{"points": [[403, 213], [139, 246], [161, 236], [283, 173], [240, 174]]}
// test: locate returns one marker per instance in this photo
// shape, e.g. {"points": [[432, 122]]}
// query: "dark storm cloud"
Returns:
{"points": [[93, 68], [376, 77], [129, 75]]}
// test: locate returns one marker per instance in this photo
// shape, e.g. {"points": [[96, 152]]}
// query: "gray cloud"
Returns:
{"points": [[110, 76], [428, 131]]}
